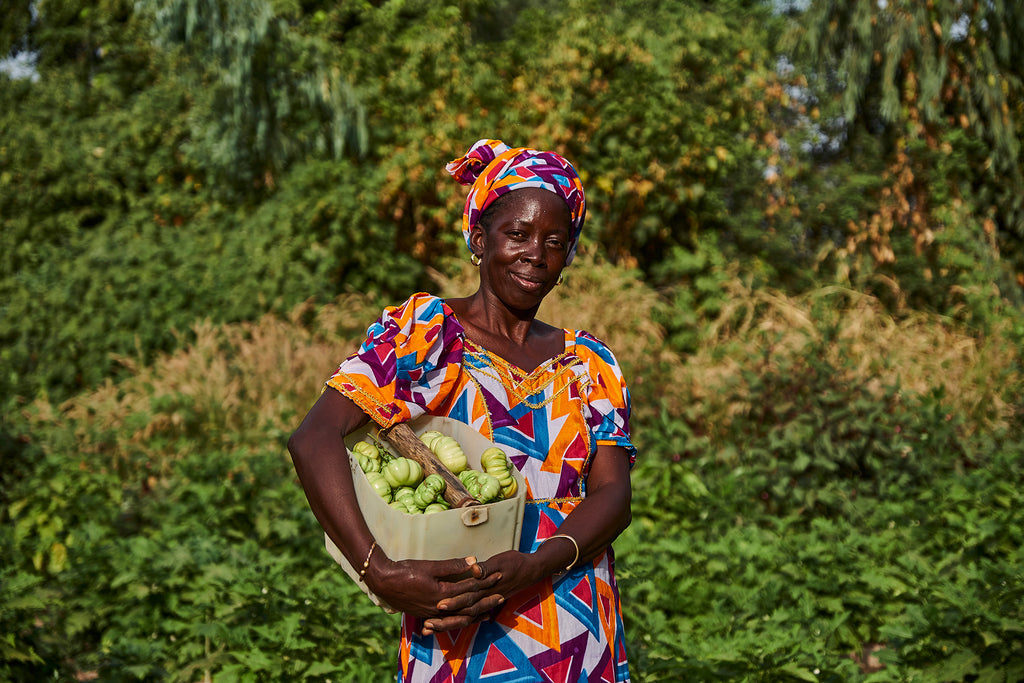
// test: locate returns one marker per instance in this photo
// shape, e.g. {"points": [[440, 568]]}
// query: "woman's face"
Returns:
{"points": [[523, 247]]}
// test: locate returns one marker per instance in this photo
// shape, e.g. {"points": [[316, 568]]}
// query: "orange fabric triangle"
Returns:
{"points": [[533, 613], [454, 649], [606, 608]]}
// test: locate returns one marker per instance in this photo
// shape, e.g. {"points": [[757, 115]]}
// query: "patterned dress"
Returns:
{"points": [[417, 360]]}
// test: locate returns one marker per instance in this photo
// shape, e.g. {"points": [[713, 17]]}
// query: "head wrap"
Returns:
{"points": [[493, 169]]}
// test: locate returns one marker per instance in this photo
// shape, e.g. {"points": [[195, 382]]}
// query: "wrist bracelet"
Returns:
{"points": [[574, 545], [366, 562]]}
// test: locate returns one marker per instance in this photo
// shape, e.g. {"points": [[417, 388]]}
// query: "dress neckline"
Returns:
{"points": [[568, 338], [514, 370]]}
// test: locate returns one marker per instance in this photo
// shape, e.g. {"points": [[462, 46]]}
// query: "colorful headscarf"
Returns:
{"points": [[493, 169]]}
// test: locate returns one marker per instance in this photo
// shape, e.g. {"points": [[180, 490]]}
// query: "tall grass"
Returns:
{"points": [[763, 330], [240, 384]]}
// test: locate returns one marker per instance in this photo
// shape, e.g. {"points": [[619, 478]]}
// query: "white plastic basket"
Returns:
{"points": [[481, 531]]}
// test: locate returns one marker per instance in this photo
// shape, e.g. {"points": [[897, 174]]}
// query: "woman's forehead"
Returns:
{"points": [[529, 200]]}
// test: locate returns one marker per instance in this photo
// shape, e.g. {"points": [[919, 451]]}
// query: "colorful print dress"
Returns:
{"points": [[416, 359]]}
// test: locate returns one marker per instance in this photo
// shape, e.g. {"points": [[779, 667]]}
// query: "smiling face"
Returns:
{"points": [[522, 247]]}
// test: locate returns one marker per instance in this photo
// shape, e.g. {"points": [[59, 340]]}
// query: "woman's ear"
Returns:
{"points": [[477, 240]]}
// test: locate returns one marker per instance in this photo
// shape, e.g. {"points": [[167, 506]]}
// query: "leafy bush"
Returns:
{"points": [[155, 512], [209, 567]]}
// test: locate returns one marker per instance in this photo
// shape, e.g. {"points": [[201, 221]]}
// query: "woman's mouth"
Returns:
{"points": [[528, 283]]}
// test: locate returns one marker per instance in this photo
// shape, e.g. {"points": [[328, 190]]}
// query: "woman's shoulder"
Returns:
{"points": [[588, 345], [421, 305], [422, 319]]}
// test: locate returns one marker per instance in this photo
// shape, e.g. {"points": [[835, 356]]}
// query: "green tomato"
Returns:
{"points": [[404, 494], [368, 464], [434, 507], [508, 489], [379, 484], [403, 472], [496, 463], [472, 486], [495, 458], [490, 489], [467, 477], [405, 506], [429, 490], [429, 436], [366, 448], [450, 453]]}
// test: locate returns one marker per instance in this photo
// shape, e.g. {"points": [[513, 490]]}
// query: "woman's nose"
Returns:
{"points": [[534, 251]]}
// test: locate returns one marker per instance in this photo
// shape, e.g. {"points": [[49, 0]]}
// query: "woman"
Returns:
{"points": [[554, 400]]}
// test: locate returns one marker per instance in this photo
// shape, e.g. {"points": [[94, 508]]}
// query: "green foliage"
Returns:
{"points": [[922, 578], [144, 169], [268, 94], [924, 97], [812, 501], [124, 578], [840, 527]]}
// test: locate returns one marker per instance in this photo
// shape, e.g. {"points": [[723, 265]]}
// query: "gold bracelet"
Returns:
{"points": [[366, 562], [574, 545]]}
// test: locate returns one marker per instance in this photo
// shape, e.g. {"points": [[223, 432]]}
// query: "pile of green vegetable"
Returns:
{"points": [[401, 482]]}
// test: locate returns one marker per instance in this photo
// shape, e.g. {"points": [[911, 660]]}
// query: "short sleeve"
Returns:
{"points": [[409, 361], [607, 395]]}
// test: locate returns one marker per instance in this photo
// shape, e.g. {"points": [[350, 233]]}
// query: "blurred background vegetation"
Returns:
{"points": [[808, 218]]}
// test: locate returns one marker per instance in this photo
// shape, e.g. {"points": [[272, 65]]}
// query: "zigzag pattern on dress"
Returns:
{"points": [[416, 360]]}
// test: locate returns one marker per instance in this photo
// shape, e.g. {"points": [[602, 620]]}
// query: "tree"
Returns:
{"points": [[269, 95], [934, 88]]}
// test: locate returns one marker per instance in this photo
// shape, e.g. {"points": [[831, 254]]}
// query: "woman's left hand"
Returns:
{"points": [[514, 571], [594, 523]]}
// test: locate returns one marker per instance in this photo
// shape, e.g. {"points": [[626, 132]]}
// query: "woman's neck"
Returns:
{"points": [[494, 319]]}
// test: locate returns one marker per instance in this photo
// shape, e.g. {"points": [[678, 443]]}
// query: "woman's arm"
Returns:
{"points": [[593, 524], [414, 587]]}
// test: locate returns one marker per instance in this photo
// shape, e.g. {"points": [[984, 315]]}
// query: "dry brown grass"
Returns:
{"points": [[916, 351], [240, 385], [234, 385]]}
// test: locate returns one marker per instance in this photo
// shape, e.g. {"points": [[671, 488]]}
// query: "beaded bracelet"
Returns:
{"points": [[366, 562], [574, 545]]}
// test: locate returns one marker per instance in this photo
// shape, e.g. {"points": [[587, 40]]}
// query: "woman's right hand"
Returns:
{"points": [[419, 587]]}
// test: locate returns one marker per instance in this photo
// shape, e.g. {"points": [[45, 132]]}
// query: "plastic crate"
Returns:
{"points": [[481, 531]]}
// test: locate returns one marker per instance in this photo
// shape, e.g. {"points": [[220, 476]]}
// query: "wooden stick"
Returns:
{"points": [[409, 445]]}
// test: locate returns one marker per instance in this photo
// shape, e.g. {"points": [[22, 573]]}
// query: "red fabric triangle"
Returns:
{"points": [[582, 592], [546, 527], [608, 674], [532, 610], [525, 425], [496, 662], [559, 671], [606, 608]]}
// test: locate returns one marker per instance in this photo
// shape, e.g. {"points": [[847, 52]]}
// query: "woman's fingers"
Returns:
{"points": [[480, 611], [455, 569], [465, 593]]}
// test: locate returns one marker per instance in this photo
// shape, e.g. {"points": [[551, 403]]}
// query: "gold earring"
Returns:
{"points": [[474, 259], [560, 276]]}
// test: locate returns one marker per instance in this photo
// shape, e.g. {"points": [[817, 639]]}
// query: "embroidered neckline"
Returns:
{"points": [[520, 384], [510, 368]]}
